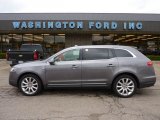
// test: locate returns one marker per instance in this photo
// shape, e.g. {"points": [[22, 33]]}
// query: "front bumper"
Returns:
{"points": [[13, 79]]}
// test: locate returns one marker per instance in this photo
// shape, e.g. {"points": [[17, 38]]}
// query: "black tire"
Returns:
{"points": [[126, 90], [33, 87]]}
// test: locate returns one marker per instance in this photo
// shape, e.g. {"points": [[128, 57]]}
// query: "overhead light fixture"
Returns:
{"points": [[96, 34], [147, 35], [12, 34], [45, 34], [150, 38], [155, 37], [129, 35], [116, 40], [28, 34], [61, 34], [123, 36], [128, 40]]}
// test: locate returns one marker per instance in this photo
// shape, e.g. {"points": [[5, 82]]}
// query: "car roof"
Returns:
{"points": [[104, 46]]}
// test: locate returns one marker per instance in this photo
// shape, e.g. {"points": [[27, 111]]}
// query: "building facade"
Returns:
{"points": [[55, 31]]}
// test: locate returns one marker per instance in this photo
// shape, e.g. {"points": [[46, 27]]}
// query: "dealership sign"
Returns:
{"points": [[105, 25]]}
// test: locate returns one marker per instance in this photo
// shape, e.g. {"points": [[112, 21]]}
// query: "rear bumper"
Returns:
{"points": [[148, 82]]}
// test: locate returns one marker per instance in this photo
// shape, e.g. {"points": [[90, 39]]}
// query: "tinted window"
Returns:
{"points": [[70, 55], [95, 53], [31, 48], [122, 53]]}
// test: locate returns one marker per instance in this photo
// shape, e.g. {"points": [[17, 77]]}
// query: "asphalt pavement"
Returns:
{"points": [[77, 104]]}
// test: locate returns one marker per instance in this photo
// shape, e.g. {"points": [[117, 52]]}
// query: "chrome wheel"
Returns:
{"points": [[29, 85], [125, 86]]}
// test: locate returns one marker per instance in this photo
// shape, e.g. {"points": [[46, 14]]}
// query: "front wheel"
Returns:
{"points": [[124, 86], [30, 85]]}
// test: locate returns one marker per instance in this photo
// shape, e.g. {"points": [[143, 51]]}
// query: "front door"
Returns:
{"points": [[66, 71]]}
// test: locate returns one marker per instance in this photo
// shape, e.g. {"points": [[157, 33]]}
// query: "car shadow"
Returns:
{"points": [[78, 92]]}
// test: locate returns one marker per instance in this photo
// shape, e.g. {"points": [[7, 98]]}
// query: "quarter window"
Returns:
{"points": [[95, 53], [122, 53]]}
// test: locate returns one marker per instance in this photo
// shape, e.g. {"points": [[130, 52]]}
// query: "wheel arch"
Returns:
{"points": [[19, 78], [127, 73]]}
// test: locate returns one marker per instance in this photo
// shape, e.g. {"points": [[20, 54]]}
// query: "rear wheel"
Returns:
{"points": [[125, 86], [30, 85]]}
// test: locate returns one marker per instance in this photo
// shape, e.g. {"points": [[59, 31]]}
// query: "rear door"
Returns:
{"points": [[98, 65]]}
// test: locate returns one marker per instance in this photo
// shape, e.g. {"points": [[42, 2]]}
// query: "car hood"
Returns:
{"points": [[28, 64]]}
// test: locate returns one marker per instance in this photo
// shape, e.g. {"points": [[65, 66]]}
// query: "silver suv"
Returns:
{"points": [[121, 68]]}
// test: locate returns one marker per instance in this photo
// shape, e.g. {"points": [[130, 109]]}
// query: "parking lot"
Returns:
{"points": [[77, 104]]}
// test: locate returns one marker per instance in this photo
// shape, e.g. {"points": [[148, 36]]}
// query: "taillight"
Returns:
{"points": [[150, 63], [7, 57], [35, 55]]}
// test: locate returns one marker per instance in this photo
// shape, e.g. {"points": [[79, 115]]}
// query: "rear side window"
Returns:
{"points": [[95, 53], [122, 53]]}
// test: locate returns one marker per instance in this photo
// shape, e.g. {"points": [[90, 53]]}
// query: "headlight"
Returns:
{"points": [[13, 69]]}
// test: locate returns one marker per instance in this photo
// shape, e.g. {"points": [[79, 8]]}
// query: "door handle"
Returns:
{"points": [[74, 66], [110, 65]]}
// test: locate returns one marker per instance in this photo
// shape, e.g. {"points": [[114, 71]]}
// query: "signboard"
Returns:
{"points": [[90, 25]]}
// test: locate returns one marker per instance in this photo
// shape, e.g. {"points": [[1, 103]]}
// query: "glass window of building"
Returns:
{"points": [[16, 41], [38, 39], [97, 39], [59, 42], [49, 43], [27, 38], [6, 42], [108, 39], [59, 39]]}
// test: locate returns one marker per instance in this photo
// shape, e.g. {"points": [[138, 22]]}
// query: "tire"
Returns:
{"points": [[124, 86], [30, 85]]}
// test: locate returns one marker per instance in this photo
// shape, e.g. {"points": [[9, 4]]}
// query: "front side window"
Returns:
{"points": [[70, 55], [122, 53], [95, 53]]}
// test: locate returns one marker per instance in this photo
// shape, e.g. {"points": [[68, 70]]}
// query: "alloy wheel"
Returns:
{"points": [[29, 85], [125, 86]]}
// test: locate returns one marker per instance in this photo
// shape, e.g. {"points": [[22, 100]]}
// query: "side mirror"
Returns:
{"points": [[52, 61]]}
